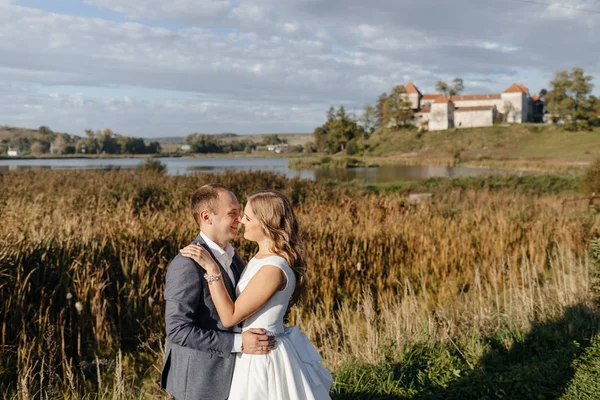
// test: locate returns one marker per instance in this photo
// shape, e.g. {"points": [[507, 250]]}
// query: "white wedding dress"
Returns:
{"points": [[293, 370]]}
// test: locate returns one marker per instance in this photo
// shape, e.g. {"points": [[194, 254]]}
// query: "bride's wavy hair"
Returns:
{"points": [[276, 215]]}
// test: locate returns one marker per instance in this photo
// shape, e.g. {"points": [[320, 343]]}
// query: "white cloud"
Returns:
{"points": [[77, 112], [173, 10], [275, 59], [290, 27], [369, 31]]}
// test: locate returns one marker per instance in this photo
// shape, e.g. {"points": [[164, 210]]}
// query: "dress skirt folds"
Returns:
{"points": [[292, 371]]}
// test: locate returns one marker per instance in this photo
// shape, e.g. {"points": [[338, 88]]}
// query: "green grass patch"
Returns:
{"points": [[512, 142], [528, 184], [556, 359]]}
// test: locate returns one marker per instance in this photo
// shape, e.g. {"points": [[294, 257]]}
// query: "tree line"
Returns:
{"points": [[227, 143], [45, 141]]}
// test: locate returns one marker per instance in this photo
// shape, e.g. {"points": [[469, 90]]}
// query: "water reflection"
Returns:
{"points": [[182, 166]]}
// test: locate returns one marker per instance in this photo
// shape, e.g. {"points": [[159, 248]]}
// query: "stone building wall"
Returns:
{"points": [[473, 118]]}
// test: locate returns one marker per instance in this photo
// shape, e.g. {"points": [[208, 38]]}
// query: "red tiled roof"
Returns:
{"points": [[467, 97], [476, 108], [411, 88], [535, 97], [444, 99], [514, 88], [477, 97], [524, 88]]}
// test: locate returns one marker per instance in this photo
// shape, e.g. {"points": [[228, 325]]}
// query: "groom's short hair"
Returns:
{"points": [[206, 198]]}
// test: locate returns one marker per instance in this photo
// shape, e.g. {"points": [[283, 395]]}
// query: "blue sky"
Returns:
{"points": [[154, 68]]}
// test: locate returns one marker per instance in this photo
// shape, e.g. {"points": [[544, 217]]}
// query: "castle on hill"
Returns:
{"points": [[438, 112]]}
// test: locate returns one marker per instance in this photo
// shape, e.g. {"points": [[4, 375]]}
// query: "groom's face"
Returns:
{"points": [[226, 218]]}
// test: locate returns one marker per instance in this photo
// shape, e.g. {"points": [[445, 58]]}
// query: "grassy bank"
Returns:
{"points": [[260, 154], [329, 162], [535, 185], [524, 147], [521, 146], [484, 291]]}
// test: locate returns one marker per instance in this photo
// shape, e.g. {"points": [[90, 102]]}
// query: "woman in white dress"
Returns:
{"points": [[273, 280]]}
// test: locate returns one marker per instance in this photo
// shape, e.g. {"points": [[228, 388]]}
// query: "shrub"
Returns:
{"points": [[352, 148], [151, 196], [151, 165], [591, 179]]}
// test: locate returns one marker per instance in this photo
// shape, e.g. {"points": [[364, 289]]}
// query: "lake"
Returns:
{"points": [[188, 165]]}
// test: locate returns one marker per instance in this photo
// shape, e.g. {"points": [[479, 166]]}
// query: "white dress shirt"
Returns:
{"points": [[225, 258]]}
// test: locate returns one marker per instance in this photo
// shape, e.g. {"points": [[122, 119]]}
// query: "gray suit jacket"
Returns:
{"points": [[198, 362]]}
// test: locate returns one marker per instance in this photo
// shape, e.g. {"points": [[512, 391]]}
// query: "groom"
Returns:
{"points": [[200, 351]]}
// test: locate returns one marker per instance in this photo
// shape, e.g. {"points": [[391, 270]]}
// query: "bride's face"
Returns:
{"points": [[252, 229]]}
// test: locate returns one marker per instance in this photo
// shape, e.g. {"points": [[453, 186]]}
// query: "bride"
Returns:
{"points": [[273, 281]]}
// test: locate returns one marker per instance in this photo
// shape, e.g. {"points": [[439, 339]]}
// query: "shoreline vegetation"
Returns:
{"points": [[521, 147], [487, 289], [262, 154]]}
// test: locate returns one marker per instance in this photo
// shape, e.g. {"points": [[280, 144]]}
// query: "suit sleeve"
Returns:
{"points": [[183, 294]]}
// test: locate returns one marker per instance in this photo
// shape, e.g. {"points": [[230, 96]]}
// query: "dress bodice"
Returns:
{"points": [[270, 316]]}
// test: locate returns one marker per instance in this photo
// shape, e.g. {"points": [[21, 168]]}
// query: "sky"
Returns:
{"points": [[156, 68]]}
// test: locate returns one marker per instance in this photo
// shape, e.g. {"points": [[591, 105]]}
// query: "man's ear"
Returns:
{"points": [[205, 217]]}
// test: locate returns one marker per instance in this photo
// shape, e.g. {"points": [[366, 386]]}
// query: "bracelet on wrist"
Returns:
{"points": [[212, 278]]}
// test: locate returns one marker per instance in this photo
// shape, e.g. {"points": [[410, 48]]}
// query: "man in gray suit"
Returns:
{"points": [[200, 351]]}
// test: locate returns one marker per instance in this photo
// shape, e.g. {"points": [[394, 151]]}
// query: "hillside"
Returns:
{"points": [[487, 146], [8, 133]]}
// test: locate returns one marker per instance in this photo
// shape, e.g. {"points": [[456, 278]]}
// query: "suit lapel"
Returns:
{"points": [[239, 266]]}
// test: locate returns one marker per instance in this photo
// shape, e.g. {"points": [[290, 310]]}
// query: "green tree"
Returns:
{"points": [[331, 114], [320, 135], [570, 100], [368, 119], [454, 89], [90, 144], [153, 148], [135, 146], [108, 142], [397, 111], [596, 106], [203, 143], [336, 133], [39, 147], [273, 139], [544, 96], [44, 130], [341, 113], [309, 147]]}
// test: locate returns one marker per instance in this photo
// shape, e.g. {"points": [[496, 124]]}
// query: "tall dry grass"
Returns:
{"points": [[83, 255]]}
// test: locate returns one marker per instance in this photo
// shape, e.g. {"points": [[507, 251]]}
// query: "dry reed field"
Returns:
{"points": [[83, 256]]}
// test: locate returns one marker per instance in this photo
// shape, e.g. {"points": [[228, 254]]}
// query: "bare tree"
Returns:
{"points": [[450, 90]]}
